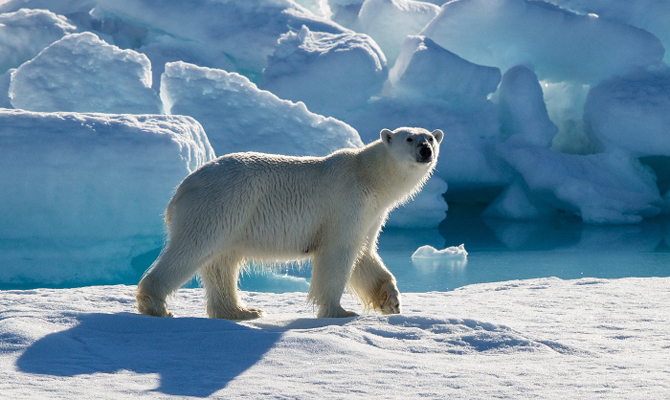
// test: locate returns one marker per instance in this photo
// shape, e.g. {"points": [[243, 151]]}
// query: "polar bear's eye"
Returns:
{"points": [[410, 140], [430, 139]]}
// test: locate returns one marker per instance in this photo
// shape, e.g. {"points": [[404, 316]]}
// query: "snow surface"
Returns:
{"points": [[536, 339]]}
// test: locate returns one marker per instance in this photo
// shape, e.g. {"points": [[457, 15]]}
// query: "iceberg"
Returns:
{"points": [[81, 73], [424, 69], [389, 22], [238, 116], [559, 44], [85, 193], [328, 72]]}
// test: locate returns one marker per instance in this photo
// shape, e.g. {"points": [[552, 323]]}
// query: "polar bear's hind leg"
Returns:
{"points": [[220, 280]]}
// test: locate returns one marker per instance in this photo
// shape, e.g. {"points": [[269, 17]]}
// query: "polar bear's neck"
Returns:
{"points": [[391, 183]]}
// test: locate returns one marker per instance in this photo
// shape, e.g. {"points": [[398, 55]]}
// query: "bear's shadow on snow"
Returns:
{"points": [[192, 356]]}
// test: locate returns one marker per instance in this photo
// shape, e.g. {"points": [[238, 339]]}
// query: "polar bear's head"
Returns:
{"points": [[413, 145]]}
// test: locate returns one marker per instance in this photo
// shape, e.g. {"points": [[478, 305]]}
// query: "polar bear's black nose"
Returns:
{"points": [[425, 152]]}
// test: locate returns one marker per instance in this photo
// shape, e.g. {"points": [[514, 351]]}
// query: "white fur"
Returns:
{"points": [[253, 206]]}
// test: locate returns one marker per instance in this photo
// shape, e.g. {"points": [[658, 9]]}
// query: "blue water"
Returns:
{"points": [[505, 250], [498, 251]]}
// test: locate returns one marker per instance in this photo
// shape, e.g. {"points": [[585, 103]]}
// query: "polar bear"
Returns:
{"points": [[262, 207]]}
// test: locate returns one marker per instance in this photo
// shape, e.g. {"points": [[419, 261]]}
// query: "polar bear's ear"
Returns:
{"points": [[386, 136], [438, 135]]}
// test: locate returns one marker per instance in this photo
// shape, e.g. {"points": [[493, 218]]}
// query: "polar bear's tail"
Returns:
{"points": [[169, 210], [170, 207]]}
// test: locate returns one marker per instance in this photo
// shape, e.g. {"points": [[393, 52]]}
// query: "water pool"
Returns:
{"points": [[505, 250], [498, 251]]}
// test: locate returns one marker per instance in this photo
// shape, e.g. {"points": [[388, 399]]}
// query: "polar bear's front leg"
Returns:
{"points": [[374, 284], [389, 298], [330, 273]]}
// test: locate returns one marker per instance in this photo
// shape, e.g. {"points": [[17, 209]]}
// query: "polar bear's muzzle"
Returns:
{"points": [[425, 153]]}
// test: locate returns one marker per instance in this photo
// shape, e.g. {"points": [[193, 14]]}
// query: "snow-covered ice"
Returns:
{"points": [[245, 31], [238, 116], [328, 72], [601, 188], [81, 73], [389, 22], [424, 69], [615, 108], [84, 193], [24, 33], [650, 15], [535, 339], [585, 79], [428, 252], [559, 44], [523, 113], [428, 256]]}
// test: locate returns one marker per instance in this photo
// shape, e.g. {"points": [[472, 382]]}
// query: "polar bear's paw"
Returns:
{"points": [[151, 306], [249, 313], [389, 299], [238, 314], [335, 312]]}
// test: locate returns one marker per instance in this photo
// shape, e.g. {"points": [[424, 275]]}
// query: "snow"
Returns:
{"points": [[328, 72], [85, 193], [559, 44], [82, 73], [576, 126], [238, 116], [535, 339]]}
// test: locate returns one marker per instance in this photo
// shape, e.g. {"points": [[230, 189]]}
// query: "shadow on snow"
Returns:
{"points": [[192, 356]]}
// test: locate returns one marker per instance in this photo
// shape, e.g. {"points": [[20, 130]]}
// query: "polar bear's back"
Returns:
{"points": [[276, 203]]}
